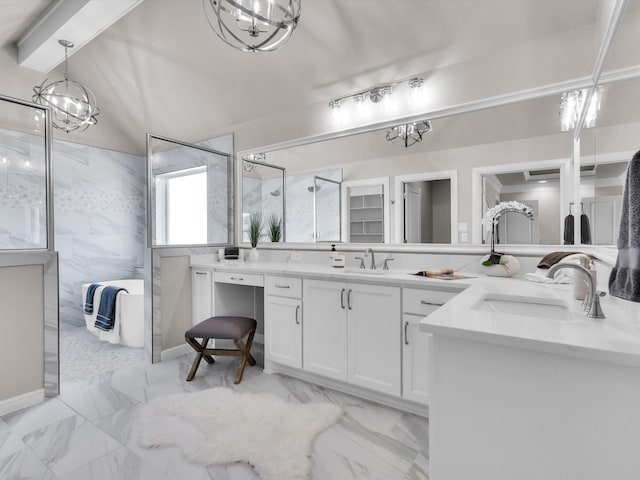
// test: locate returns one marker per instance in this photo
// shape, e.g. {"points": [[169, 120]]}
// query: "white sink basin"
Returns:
{"points": [[364, 271], [535, 307]]}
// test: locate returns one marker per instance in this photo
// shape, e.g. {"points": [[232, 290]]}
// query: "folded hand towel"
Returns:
{"points": [[435, 273], [552, 258], [624, 281], [88, 303], [107, 309]]}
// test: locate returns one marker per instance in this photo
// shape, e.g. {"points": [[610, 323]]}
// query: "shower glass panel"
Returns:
{"points": [[326, 207], [190, 194], [24, 176], [264, 192]]}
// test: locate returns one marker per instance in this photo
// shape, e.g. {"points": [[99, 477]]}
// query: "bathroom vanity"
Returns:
{"points": [[524, 385], [349, 329]]}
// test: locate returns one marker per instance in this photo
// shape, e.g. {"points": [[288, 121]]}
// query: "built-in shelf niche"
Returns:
{"points": [[366, 214]]}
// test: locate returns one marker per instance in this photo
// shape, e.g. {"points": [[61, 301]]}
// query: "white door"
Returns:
{"points": [[324, 336], [202, 295], [412, 214], [604, 218], [283, 330], [416, 352], [374, 337]]}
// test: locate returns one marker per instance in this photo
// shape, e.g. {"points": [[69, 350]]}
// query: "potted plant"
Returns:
{"points": [[255, 231], [274, 224]]}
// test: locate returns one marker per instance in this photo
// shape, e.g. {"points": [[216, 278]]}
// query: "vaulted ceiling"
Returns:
{"points": [[161, 68]]}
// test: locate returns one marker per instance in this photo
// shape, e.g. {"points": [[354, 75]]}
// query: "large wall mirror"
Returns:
{"points": [[514, 151]]}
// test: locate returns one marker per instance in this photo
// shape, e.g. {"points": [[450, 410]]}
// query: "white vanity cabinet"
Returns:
{"points": [[283, 320], [201, 294], [417, 345], [352, 333]]}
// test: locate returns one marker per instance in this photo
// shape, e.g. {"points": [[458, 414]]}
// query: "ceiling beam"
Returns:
{"points": [[78, 21]]}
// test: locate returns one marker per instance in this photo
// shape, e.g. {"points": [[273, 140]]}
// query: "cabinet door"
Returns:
{"points": [[416, 351], [374, 337], [325, 328], [201, 295], [283, 330]]}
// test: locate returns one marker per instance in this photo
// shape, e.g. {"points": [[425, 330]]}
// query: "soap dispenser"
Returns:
{"points": [[332, 254]]}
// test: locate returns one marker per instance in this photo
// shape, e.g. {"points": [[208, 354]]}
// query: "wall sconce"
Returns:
{"points": [[376, 94], [571, 105]]}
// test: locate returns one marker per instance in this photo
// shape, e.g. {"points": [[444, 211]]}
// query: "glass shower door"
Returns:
{"points": [[327, 208]]}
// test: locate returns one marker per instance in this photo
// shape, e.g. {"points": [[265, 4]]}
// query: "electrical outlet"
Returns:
{"points": [[463, 237], [295, 256]]}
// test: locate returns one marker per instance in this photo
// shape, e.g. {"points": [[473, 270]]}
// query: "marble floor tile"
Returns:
{"points": [[95, 400], [90, 431], [33, 418], [121, 464], [24, 465], [69, 444]]}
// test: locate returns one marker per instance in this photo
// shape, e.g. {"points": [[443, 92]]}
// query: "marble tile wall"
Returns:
{"points": [[99, 219]]}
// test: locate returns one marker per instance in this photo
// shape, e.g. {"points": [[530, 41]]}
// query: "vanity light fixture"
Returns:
{"points": [[375, 94], [73, 104], [571, 105], [409, 134], [249, 162], [253, 25]]}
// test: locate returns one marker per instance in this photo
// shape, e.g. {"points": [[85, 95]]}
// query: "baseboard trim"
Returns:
{"points": [[19, 402], [174, 352], [384, 399]]}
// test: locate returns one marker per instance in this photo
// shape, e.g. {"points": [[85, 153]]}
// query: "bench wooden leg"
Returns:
{"points": [[246, 355], [199, 348]]}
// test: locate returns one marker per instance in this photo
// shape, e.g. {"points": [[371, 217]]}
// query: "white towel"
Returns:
{"points": [[564, 275]]}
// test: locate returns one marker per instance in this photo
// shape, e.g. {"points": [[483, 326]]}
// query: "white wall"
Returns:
{"points": [[22, 339]]}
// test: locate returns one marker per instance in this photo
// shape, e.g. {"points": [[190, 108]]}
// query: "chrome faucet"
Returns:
{"points": [[592, 301], [373, 258]]}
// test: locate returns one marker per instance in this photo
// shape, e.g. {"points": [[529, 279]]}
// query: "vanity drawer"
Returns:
{"points": [[283, 286], [423, 302], [239, 278]]}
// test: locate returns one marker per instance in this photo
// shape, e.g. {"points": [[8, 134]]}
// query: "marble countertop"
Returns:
{"points": [[615, 338], [399, 277]]}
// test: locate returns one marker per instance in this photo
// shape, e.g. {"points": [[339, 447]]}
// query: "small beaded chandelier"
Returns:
{"points": [[73, 105], [408, 134], [253, 25]]}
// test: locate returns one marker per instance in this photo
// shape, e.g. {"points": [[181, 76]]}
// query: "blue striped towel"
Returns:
{"points": [[107, 309], [88, 302]]}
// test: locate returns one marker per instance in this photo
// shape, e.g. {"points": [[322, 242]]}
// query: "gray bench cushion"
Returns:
{"points": [[222, 327]]}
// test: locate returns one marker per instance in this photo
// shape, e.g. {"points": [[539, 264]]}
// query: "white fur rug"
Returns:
{"points": [[220, 426]]}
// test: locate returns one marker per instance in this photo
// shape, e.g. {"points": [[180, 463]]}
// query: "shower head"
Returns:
{"points": [[275, 193], [312, 188]]}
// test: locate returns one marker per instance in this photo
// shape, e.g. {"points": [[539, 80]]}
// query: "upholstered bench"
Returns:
{"points": [[222, 328]]}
